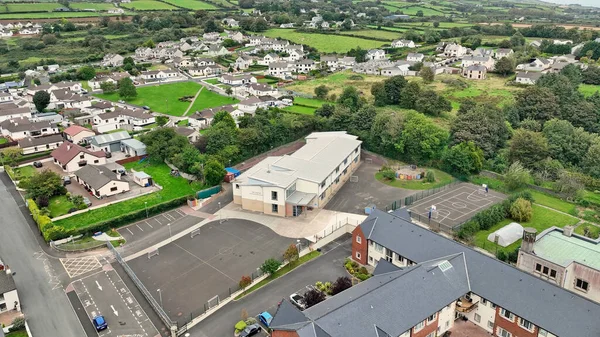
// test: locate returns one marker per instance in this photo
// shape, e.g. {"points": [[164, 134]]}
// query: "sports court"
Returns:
{"points": [[196, 268], [455, 206]]}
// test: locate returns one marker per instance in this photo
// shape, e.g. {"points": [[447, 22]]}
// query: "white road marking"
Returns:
{"points": [[98, 284], [157, 220], [129, 230], [140, 228], [114, 310], [147, 223]]}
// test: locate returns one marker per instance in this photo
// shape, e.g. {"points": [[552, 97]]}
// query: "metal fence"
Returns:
{"points": [[74, 246], [411, 199], [435, 226], [157, 308], [206, 193]]}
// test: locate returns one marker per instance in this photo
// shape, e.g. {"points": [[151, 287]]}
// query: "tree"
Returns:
{"points": [[313, 297], [573, 73], [49, 39], [291, 254], [436, 24], [567, 143], [214, 172], [537, 103], [591, 162], [41, 99], [427, 74], [483, 124], [44, 184], [163, 143], [244, 282], [127, 88], [568, 185], [342, 283], [420, 13], [321, 92], [259, 25], [11, 155], [347, 24], [270, 266], [162, 120], [517, 39], [528, 147], [429, 102], [505, 66], [108, 87], [228, 91], [464, 159], [421, 140], [211, 26], [326, 110], [520, 210], [409, 95], [350, 98], [378, 93], [224, 118], [86, 73], [516, 177]]}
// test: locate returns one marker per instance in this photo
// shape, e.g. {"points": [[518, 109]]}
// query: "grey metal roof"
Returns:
{"points": [[384, 266], [115, 137], [134, 144], [6, 282], [300, 198], [525, 295], [96, 176]]}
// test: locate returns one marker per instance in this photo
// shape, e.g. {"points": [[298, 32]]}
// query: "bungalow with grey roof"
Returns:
{"points": [[100, 181]]}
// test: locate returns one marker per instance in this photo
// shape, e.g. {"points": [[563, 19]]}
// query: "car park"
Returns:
{"points": [[250, 330], [100, 323]]}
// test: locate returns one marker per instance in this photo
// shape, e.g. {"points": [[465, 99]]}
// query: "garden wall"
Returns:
{"points": [[130, 159]]}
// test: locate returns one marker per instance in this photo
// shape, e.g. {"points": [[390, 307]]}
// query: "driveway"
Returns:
{"points": [[327, 267], [353, 197]]}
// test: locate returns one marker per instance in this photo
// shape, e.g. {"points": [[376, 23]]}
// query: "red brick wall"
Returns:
{"points": [[361, 247], [280, 333], [513, 327], [429, 328], [130, 159]]}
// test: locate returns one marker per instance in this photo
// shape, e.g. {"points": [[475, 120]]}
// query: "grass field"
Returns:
{"points": [[552, 202], [441, 179], [31, 7], [374, 33], [322, 42], [542, 219], [59, 205], [412, 10], [24, 172], [209, 99], [212, 81], [317, 103], [173, 187], [51, 15], [337, 82], [20, 333], [301, 109], [99, 6], [183, 122], [588, 89], [145, 5], [594, 231], [395, 29], [3, 140], [161, 98], [191, 4]]}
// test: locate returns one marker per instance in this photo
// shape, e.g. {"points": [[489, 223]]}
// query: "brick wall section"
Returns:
{"points": [[513, 327], [281, 333], [130, 159], [361, 247], [429, 328]]}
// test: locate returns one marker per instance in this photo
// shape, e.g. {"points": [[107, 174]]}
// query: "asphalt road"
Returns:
{"points": [[327, 267], [45, 304]]}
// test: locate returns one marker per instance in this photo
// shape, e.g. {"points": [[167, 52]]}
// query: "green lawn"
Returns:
{"points": [[588, 89], [209, 99], [24, 172], [542, 219], [161, 98], [374, 33], [52, 15], [314, 102], [183, 122], [282, 271], [594, 231], [441, 178], [212, 81], [99, 6], [300, 109], [59, 205], [323, 42], [145, 5], [173, 187], [20, 333], [552, 202], [191, 4], [412, 10], [3, 140], [32, 7]]}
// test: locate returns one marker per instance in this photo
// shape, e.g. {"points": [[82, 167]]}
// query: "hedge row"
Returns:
{"points": [[487, 218], [45, 224]]}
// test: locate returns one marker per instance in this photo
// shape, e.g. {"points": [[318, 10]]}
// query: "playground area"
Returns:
{"points": [[456, 206], [409, 172]]}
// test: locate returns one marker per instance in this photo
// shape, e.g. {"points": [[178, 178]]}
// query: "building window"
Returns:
{"points": [[581, 285], [323, 184], [477, 318], [492, 305], [400, 258], [483, 301], [96, 161], [322, 196], [112, 189], [82, 156], [503, 333], [370, 259], [237, 186], [419, 326], [490, 324], [507, 314], [525, 324], [275, 208], [552, 273], [345, 161], [358, 255], [431, 318], [337, 180], [358, 239], [378, 247], [447, 324], [273, 195], [543, 332]]}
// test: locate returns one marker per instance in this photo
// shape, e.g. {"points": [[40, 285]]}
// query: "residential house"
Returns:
{"points": [[112, 60], [375, 55], [20, 128], [249, 105], [49, 117], [113, 78], [9, 297], [122, 119], [268, 59], [403, 44], [287, 25], [415, 57], [294, 55], [133, 147], [158, 75], [454, 50], [483, 52], [78, 134], [236, 36], [99, 107], [243, 62], [216, 50], [291, 184], [399, 68], [31, 145], [305, 66], [528, 77], [347, 62], [203, 119], [535, 43], [143, 53], [503, 52], [288, 48], [183, 62], [237, 80], [537, 64], [201, 62], [487, 61], [331, 62], [12, 111], [232, 23], [199, 47], [372, 67], [255, 40], [65, 98], [205, 71], [562, 42], [110, 142], [72, 86], [71, 157], [261, 89], [5, 97], [100, 181], [211, 36], [281, 69], [325, 25], [191, 134], [475, 72]]}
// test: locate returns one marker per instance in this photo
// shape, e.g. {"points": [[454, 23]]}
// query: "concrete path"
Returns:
{"points": [[106, 237], [192, 103]]}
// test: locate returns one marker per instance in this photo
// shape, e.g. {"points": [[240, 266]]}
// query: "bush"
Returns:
{"points": [[42, 201], [389, 175], [517, 176], [341, 284], [313, 297], [239, 326], [362, 277], [270, 266], [501, 255], [521, 210], [363, 270], [251, 320], [430, 177], [17, 324]]}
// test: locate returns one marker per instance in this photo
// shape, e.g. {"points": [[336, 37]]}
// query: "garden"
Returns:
{"points": [[420, 178]]}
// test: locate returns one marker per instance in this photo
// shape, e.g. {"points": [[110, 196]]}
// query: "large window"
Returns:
{"points": [[290, 190], [275, 208], [273, 195], [581, 285], [525, 324], [503, 333], [378, 247], [431, 318], [112, 189], [507, 314], [358, 239], [477, 318], [546, 271], [419, 326]]}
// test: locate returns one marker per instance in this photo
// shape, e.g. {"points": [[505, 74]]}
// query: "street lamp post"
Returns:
{"points": [[298, 246], [160, 296]]}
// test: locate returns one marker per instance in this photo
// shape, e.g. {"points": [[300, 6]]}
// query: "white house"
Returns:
{"points": [[153, 75], [9, 298], [331, 62], [205, 70], [281, 69], [485, 61], [268, 59], [528, 77], [403, 44], [232, 23], [454, 50], [77, 134], [415, 57], [5, 97], [113, 78], [71, 157], [31, 145], [216, 50], [12, 111], [537, 64], [112, 60], [375, 55], [503, 52], [261, 89], [243, 62], [237, 80], [22, 128], [100, 181], [305, 66], [475, 72]]}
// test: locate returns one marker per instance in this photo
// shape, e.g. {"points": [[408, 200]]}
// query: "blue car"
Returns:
{"points": [[99, 323], [265, 318]]}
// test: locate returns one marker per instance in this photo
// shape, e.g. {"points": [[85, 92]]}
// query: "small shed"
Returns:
{"points": [[133, 147], [507, 234], [142, 179], [231, 174], [370, 208]]}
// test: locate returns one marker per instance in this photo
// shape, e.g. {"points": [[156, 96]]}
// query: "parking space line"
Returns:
{"points": [[164, 216], [147, 223], [180, 212], [156, 218], [138, 226], [129, 230]]}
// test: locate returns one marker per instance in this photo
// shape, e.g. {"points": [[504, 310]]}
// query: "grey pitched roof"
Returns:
{"points": [[532, 75], [6, 282], [287, 314], [115, 137], [523, 294], [477, 67], [384, 266], [184, 131], [96, 176], [133, 143], [31, 142]]}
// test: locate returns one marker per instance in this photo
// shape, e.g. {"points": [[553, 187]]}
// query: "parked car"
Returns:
{"points": [[145, 107], [108, 155], [250, 330], [37, 164], [66, 180], [265, 318], [298, 301], [100, 323], [87, 201]]}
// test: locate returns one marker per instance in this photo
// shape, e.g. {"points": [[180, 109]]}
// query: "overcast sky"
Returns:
{"points": [[595, 3]]}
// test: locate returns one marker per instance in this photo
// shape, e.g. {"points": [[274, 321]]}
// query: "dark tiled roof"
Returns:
{"points": [[31, 142], [6, 282], [67, 151], [96, 175]]}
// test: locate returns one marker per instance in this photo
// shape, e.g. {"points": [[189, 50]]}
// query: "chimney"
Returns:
{"points": [[68, 147], [568, 231], [529, 235]]}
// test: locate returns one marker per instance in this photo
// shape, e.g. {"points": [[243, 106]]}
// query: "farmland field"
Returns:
{"points": [[322, 42], [31, 7], [145, 5], [99, 6], [304, 110], [374, 33], [191, 4], [51, 15], [161, 98], [412, 10]]}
